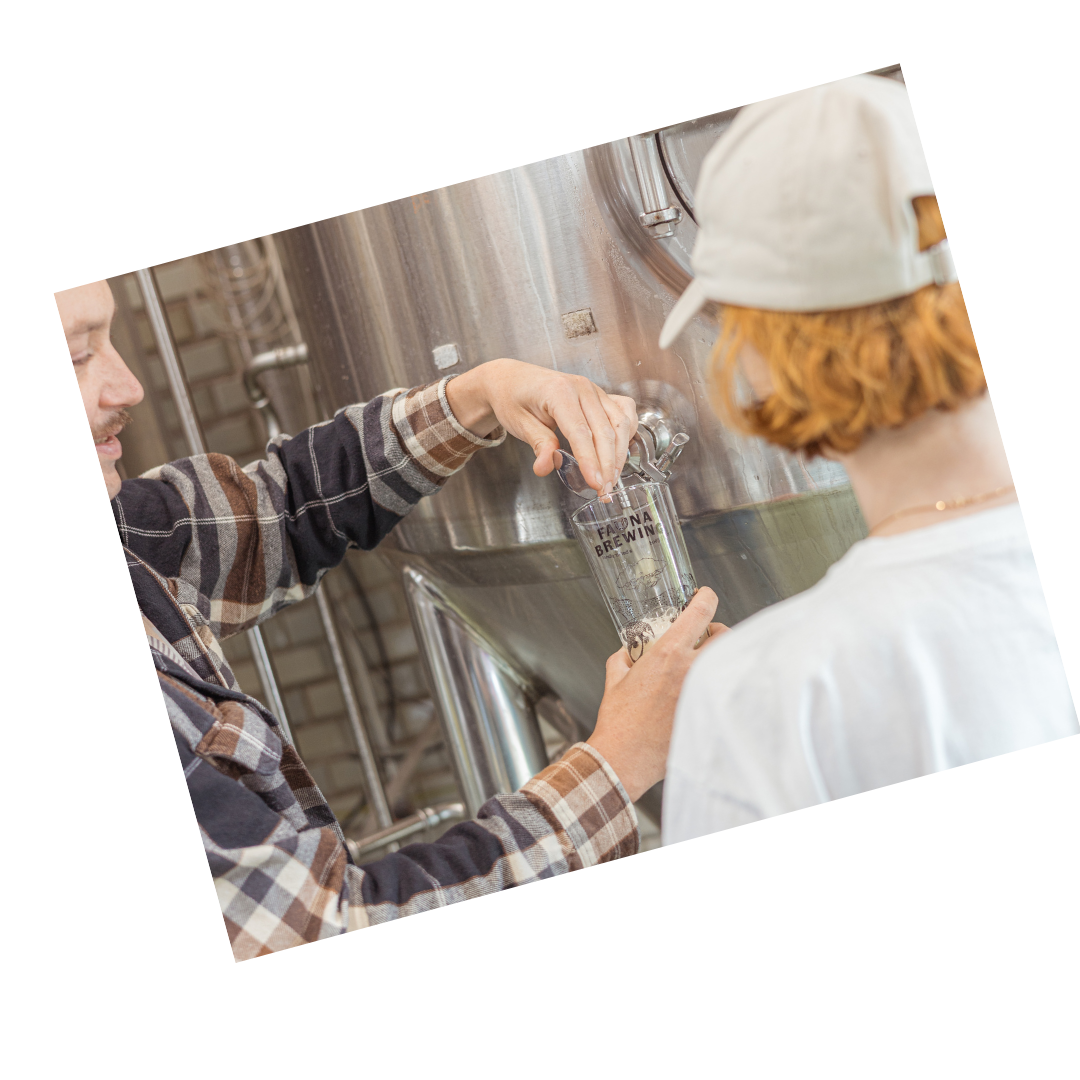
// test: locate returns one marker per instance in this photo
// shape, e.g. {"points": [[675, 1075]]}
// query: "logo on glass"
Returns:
{"points": [[618, 533]]}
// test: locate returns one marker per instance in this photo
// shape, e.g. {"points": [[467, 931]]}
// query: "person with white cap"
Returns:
{"points": [[844, 334]]}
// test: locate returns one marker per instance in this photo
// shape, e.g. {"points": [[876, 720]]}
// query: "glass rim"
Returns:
{"points": [[626, 487]]}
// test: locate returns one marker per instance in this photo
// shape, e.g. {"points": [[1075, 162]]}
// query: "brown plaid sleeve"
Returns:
{"points": [[573, 814], [281, 865], [431, 435], [238, 544], [282, 868], [588, 809]]}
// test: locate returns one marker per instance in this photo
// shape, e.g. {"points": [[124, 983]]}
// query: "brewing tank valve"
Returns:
{"points": [[644, 459]]}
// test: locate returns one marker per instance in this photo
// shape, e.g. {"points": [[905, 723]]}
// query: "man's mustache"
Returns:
{"points": [[112, 426]]}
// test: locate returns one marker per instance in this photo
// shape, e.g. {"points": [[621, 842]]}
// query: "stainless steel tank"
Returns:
{"points": [[571, 264]]}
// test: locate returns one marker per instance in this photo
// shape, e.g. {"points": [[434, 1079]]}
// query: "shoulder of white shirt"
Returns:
{"points": [[999, 529]]}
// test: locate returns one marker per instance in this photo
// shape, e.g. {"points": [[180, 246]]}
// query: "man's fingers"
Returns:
{"points": [[604, 435], [624, 422], [540, 437], [691, 624], [715, 630], [574, 424], [532, 403], [545, 462], [629, 408]]}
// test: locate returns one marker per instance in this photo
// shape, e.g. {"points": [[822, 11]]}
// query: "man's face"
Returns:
{"points": [[107, 387]]}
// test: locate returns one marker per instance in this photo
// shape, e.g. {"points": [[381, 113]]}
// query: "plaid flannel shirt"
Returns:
{"points": [[214, 549]]}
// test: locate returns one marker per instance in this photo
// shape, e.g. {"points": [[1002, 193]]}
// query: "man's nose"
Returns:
{"points": [[120, 389]]}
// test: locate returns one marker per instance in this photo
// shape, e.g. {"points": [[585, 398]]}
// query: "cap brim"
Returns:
{"points": [[687, 306]]}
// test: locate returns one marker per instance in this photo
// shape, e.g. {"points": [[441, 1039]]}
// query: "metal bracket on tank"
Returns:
{"points": [[656, 446], [644, 460]]}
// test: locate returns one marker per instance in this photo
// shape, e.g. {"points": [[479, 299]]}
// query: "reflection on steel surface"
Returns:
{"points": [[487, 708]]}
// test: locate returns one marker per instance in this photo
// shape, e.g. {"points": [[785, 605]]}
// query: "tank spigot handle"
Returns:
{"points": [[671, 454], [571, 475]]}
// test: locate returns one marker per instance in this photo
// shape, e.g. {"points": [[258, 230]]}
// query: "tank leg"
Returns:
{"points": [[487, 709]]}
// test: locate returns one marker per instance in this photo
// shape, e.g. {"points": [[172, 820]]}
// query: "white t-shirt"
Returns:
{"points": [[914, 653]]}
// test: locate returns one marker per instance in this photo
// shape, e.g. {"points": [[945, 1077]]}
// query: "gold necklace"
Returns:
{"points": [[941, 504]]}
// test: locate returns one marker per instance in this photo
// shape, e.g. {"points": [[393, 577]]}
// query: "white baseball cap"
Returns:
{"points": [[804, 204]]}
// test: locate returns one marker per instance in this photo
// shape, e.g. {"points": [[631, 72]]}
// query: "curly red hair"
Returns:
{"points": [[838, 375]]}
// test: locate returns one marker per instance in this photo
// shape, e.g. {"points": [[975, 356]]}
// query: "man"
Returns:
{"points": [[213, 549], [929, 644]]}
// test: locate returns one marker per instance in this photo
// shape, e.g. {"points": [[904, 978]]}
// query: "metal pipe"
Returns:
{"points": [[312, 409], [372, 781], [486, 707], [285, 356], [170, 358], [189, 420], [235, 316], [269, 683], [271, 360], [365, 690], [427, 818]]}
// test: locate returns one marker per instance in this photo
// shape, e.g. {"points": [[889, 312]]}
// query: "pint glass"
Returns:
{"points": [[637, 555]]}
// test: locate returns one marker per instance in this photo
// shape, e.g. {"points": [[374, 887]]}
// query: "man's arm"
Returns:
{"points": [[240, 544], [281, 869]]}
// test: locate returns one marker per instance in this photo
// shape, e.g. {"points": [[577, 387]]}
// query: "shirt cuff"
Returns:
{"points": [[431, 434], [582, 799]]}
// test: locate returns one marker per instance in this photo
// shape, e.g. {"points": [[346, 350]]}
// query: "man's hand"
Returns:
{"points": [[531, 402], [633, 728]]}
